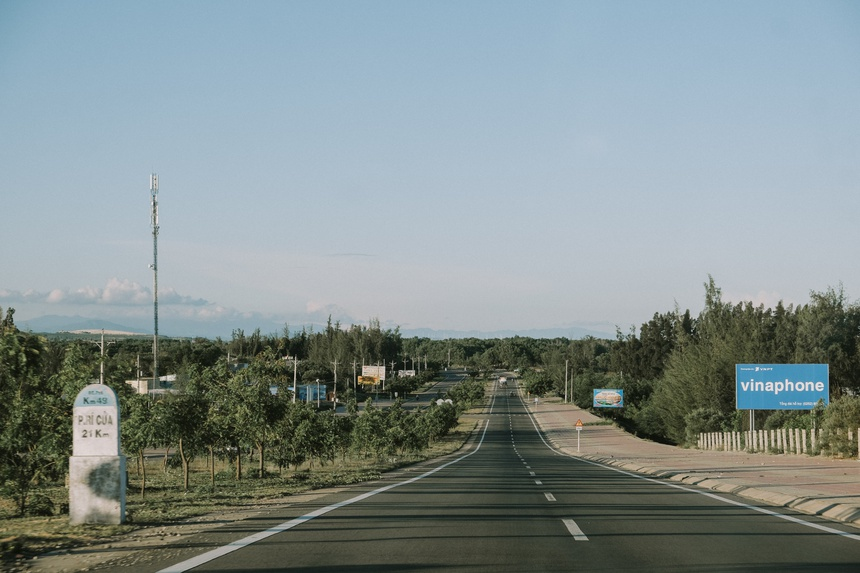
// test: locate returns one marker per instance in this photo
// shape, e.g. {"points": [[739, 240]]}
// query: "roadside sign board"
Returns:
{"points": [[374, 371], [781, 386], [608, 398], [579, 425]]}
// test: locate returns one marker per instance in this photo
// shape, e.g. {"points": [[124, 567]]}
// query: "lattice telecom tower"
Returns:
{"points": [[153, 189]]}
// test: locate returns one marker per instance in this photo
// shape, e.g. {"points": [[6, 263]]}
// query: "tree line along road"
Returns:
{"points": [[509, 502]]}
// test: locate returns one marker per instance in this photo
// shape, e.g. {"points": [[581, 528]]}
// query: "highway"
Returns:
{"points": [[511, 503]]}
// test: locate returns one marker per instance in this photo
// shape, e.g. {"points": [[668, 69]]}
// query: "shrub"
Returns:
{"points": [[841, 420], [40, 505], [703, 420]]}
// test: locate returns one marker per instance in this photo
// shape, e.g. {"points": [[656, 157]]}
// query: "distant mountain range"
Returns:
{"points": [[55, 323], [179, 328], [571, 333]]}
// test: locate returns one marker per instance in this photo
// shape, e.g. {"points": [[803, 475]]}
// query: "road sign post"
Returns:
{"points": [[578, 432]]}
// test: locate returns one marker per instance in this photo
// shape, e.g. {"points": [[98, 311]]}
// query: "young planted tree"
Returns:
{"points": [[369, 432], [438, 420], [138, 432], [182, 416], [217, 429], [257, 411], [291, 446]]}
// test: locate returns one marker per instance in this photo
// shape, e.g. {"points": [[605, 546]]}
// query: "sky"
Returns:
{"points": [[452, 165]]}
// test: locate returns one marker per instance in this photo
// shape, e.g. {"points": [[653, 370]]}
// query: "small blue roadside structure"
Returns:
{"points": [[310, 392]]}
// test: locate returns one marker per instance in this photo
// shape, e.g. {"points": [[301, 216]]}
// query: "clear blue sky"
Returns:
{"points": [[450, 165]]}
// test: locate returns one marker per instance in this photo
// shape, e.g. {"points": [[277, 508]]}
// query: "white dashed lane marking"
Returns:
{"points": [[574, 530]]}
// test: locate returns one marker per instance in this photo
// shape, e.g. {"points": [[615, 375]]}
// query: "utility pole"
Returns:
{"points": [[101, 346], [335, 386], [295, 377], [565, 381], [153, 189]]}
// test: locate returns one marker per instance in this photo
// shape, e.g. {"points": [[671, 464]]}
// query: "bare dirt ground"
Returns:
{"points": [[135, 548]]}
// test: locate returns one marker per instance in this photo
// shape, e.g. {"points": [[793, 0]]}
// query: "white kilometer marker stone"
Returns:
{"points": [[549, 497], [574, 529]]}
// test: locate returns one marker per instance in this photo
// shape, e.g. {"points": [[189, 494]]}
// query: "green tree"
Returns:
{"points": [[291, 447], [537, 383], [438, 420], [138, 432], [369, 431], [75, 373], [260, 406], [218, 429], [841, 420], [828, 332], [35, 423], [182, 417]]}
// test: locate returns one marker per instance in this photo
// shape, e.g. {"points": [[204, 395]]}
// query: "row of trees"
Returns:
{"points": [[217, 410], [223, 415]]}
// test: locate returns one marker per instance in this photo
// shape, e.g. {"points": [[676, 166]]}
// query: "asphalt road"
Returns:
{"points": [[510, 503], [422, 398]]}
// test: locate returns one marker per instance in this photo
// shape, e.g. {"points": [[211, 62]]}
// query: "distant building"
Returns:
{"points": [[146, 386], [310, 392]]}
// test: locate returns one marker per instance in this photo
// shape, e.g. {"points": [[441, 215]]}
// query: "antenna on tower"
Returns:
{"points": [[153, 189]]}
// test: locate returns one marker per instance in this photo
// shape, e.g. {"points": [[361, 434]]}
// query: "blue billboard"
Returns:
{"points": [[608, 398], [781, 386]]}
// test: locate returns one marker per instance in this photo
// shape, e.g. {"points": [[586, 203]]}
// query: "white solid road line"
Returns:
{"points": [[574, 529]]}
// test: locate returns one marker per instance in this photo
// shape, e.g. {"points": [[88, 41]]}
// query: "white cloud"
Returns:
{"points": [[56, 296], [123, 292], [18, 296], [320, 312], [115, 293]]}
